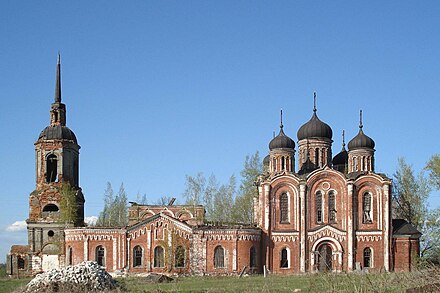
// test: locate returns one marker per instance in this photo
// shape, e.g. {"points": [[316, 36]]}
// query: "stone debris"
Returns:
{"points": [[84, 277], [158, 278]]}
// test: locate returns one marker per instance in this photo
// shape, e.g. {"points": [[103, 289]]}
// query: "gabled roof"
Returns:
{"points": [[176, 222], [402, 227]]}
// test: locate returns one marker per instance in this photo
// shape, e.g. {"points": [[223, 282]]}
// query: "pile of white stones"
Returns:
{"points": [[84, 277]]}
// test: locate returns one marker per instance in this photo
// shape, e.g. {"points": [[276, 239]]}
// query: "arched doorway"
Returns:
{"points": [[324, 258]]}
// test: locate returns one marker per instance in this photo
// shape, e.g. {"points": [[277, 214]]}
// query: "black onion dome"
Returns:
{"points": [[281, 141], [266, 160], [341, 158], [57, 132], [361, 141], [315, 128]]}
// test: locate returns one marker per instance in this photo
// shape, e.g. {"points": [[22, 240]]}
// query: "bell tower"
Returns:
{"points": [[57, 201]]}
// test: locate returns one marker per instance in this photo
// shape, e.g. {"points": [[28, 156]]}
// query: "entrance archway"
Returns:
{"points": [[324, 255]]}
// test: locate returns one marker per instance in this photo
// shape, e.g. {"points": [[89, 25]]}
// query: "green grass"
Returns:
{"points": [[373, 282]]}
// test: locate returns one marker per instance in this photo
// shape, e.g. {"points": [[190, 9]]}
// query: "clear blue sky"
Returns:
{"points": [[157, 90]]}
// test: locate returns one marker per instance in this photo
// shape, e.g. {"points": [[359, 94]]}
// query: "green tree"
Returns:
{"points": [[115, 208], [195, 186], [430, 240], [243, 206], [410, 195], [433, 167], [68, 204]]}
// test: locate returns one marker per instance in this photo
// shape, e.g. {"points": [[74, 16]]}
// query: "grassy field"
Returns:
{"points": [[384, 282]]}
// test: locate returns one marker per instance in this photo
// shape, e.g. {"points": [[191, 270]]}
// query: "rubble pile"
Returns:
{"points": [[84, 277]]}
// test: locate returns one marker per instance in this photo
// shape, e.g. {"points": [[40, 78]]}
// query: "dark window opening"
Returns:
{"points": [[219, 257], [50, 233], [284, 263], [367, 257], [180, 257], [284, 208], [317, 157], [56, 116], [331, 207], [137, 256], [159, 257], [319, 207], [283, 163], [367, 208], [70, 258], [253, 257], [51, 168], [51, 208], [100, 255], [20, 263]]}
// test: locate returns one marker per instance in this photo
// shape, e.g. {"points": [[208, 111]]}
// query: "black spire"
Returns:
{"points": [[314, 102], [281, 118], [360, 120], [343, 139], [58, 81]]}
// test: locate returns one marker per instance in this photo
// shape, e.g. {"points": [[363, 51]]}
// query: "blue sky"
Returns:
{"points": [[157, 90]]}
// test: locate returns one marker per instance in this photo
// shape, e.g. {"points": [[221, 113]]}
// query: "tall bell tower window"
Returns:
{"points": [[318, 202], [367, 208], [284, 208], [331, 207], [51, 168]]}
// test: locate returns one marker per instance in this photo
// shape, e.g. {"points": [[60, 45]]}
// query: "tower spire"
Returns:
{"points": [[58, 81], [314, 102], [281, 119], [343, 139], [360, 120]]}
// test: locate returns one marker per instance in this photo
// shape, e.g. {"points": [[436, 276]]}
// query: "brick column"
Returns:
{"points": [[302, 232], [350, 232]]}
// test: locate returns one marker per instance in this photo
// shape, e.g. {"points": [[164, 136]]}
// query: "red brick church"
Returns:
{"points": [[328, 214]]}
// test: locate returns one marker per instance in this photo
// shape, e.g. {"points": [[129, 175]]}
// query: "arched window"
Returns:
{"points": [[284, 258], [283, 163], [100, 255], [331, 207], [69, 256], [367, 257], [51, 168], [355, 164], [253, 257], [51, 208], [219, 257], [137, 256], [20, 263], [318, 207], [284, 208], [159, 257], [179, 261], [366, 204], [316, 157], [274, 165]]}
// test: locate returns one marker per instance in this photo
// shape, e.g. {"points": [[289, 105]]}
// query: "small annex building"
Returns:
{"points": [[314, 212]]}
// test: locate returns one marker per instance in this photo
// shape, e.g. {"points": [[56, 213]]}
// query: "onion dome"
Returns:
{"points": [[266, 160], [315, 127], [281, 141], [342, 157], [57, 132], [361, 141]]}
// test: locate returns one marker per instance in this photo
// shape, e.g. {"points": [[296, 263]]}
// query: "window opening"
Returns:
{"points": [[50, 233], [367, 208], [100, 255], [319, 207], [51, 168], [284, 208], [367, 257], [284, 263], [219, 257], [137, 256], [20, 263], [180, 257], [70, 258], [159, 257], [331, 207], [50, 208]]}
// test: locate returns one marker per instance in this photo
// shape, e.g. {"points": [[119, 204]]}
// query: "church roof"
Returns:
{"points": [[57, 132], [361, 140], [281, 141], [402, 227]]}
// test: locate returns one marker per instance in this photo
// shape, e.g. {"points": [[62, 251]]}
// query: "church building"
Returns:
{"points": [[316, 213]]}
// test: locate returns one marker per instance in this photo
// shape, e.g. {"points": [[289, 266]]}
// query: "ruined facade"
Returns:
{"points": [[324, 213]]}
